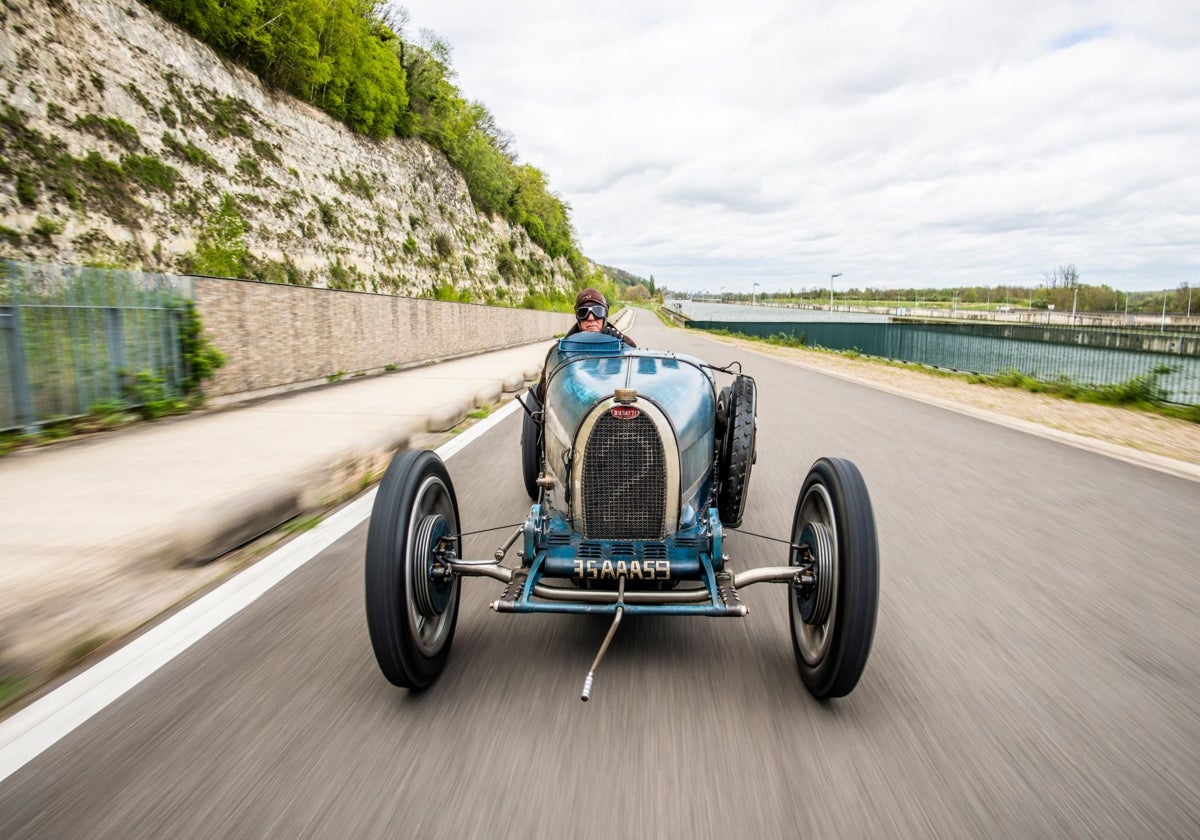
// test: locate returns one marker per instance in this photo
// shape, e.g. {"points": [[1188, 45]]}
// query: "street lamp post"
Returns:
{"points": [[753, 294], [831, 276]]}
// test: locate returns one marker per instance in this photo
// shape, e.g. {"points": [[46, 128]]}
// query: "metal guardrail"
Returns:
{"points": [[1085, 356], [73, 339]]}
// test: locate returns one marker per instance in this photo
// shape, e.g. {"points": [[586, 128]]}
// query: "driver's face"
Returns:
{"points": [[591, 324]]}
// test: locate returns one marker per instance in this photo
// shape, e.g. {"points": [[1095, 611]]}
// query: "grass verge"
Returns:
{"points": [[1140, 393]]}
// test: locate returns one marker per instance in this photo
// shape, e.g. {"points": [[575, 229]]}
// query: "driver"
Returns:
{"points": [[591, 315]]}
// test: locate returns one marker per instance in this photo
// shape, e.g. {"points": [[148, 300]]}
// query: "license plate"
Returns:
{"points": [[630, 569]]}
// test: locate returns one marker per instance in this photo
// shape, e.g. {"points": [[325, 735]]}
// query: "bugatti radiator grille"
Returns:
{"points": [[624, 485]]}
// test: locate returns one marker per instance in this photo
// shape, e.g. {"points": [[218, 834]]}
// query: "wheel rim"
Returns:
{"points": [[432, 591], [434, 508], [813, 600], [814, 640]]}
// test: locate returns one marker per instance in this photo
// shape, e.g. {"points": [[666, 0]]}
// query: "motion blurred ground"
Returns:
{"points": [[104, 598]]}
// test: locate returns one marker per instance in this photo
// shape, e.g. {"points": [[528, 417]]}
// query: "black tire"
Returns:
{"points": [[737, 449], [832, 635], [531, 446], [411, 628]]}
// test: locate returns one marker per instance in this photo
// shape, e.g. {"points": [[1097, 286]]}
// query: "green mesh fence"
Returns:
{"points": [[73, 339], [1045, 352]]}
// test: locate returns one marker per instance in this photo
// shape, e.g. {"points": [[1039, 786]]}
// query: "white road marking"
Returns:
{"points": [[33, 730]]}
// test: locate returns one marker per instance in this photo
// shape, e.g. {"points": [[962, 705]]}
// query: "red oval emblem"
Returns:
{"points": [[625, 412]]}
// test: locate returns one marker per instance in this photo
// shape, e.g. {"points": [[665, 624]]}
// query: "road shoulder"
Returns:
{"points": [[1162, 443]]}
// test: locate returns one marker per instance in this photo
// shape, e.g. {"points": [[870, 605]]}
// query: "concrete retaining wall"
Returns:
{"points": [[278, 337], [675, 315]]}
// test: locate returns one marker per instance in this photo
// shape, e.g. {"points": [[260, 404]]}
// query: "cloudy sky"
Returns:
{"points": [[939, 143]]}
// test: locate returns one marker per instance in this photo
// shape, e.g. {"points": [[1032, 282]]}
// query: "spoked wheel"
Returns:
{"points": [[531, 447], [412, 606], [833, 614]]}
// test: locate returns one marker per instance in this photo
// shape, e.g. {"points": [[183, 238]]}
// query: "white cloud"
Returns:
{"points": [[715, 144]]}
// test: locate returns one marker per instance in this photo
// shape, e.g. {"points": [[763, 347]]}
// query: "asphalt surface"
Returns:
{"points": [[1034, 672]]}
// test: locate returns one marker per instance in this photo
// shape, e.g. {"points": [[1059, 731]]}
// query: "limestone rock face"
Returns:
{"points": [[126, 143]]}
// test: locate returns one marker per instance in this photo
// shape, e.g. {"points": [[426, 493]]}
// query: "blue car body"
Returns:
{"points": [[629, 447]]}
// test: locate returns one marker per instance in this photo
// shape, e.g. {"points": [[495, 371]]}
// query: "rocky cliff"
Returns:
{"points": [[126, 143]]}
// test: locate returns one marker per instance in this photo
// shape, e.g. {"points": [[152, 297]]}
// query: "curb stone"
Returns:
{"points": [[446, 416]]}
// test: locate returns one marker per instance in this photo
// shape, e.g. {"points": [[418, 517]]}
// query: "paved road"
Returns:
{"points": [[1035, 673]]}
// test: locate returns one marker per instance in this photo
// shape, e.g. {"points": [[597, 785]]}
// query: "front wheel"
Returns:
{"points": [[833, 612], [412, 600]]}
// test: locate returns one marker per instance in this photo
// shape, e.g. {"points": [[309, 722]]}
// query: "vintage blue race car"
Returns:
{"points": [[637, 463]]}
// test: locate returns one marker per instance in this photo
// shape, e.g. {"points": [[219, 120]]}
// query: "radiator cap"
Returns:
{"points": [[625, 396]]}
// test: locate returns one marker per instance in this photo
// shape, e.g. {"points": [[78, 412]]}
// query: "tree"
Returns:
{"points": [[1066, 276], [638, 293]]}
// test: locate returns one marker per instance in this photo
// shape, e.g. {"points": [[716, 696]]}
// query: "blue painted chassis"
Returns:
{"points": [[555, 547]]}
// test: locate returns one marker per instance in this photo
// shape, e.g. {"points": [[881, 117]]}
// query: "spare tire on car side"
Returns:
{"points": [[737, 407]]}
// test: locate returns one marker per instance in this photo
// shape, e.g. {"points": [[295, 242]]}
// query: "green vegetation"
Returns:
{"points": [[328, 216], [665, 320], [110, 128], [221, 248], [43, 165], [26, 189], [777, 340], [249, 167], [554, 302], [356, 184], [148, 392], [346, 277], [139, 97], [145, 394], [1061, 290], [47, 227], [301, 524], [480, 413], [151, 173], [11, 688], [442, 245], [85, 647], [190, 153], [265, 151], [445, 291], [1144, 393], [200, 358], [349, 58]]}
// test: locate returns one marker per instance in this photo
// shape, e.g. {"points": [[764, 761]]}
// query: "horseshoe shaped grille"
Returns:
{"points": [[624, 480]]}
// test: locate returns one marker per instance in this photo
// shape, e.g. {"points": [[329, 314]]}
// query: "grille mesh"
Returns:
{"points": [[624, 480]]}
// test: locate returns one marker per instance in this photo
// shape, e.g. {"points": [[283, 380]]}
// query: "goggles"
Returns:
{"points": [[599, 311]]}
